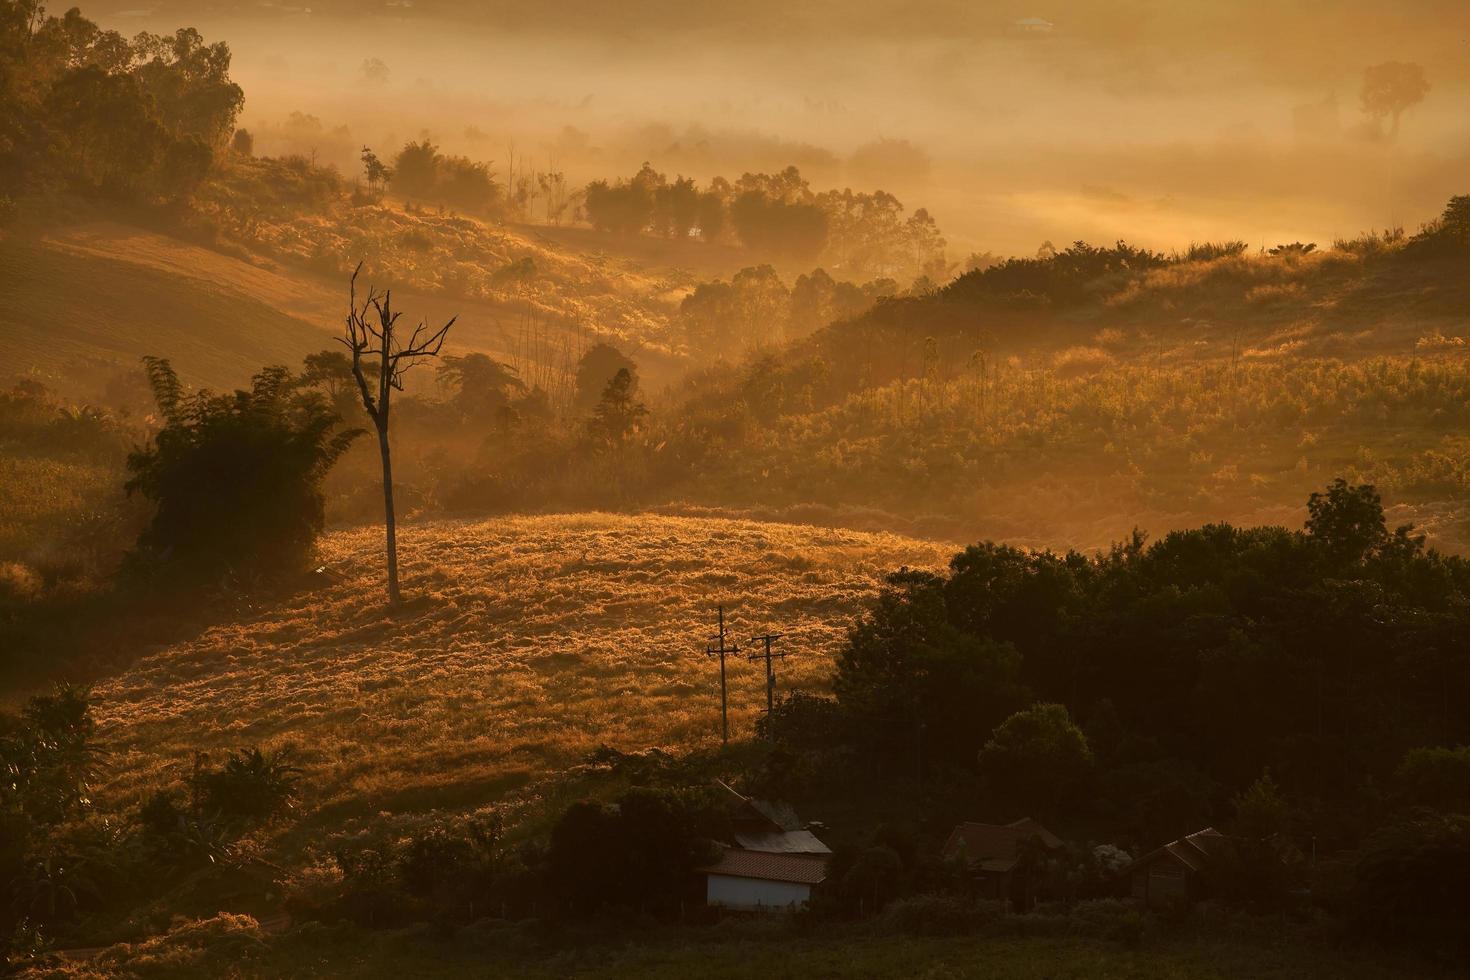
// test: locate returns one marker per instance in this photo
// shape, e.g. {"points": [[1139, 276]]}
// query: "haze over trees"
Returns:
{"points": [[777, 216], [771, 399], [88, 108], [1390, 89]]}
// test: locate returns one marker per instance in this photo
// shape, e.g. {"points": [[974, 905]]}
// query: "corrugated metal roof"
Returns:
{"points": [[782, 842], [804, 869], [1192, 850]]}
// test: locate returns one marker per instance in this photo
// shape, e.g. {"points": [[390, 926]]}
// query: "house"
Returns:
{"points": [[997, 857], [1034, 26], [1175, 873], [771, 863], [760, 881]]}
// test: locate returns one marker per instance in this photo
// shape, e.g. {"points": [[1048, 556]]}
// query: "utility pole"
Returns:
{"points": [[768, 639], [718, 647]]}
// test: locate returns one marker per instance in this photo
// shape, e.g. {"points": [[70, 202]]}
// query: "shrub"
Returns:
{"points": [[47, 755], [1372, 242], [1209, 251], [1109, 918], [451, 861], [251, 785], [637, 854], [237, 478], [18, 582], [1436, 777], [803, 720], [370, 894], [939, 915], [1408, 885]]}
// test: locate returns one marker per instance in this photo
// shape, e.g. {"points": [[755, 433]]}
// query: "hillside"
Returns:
{"points": [[77, 307], [529, 641], [81, 302]]}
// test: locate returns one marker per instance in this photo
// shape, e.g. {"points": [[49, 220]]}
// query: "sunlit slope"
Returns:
{"points": [[526, 643], [64, 311]]}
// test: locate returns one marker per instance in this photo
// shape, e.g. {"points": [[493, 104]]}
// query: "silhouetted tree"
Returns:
{"points": [[595, 369], [1455, 221], [415, 170], [1348, 520], [379, 353], [375, 71], [374, 171], [1390, 88], [1037, 761], [481, 385], [619, 412], [236, 478]]}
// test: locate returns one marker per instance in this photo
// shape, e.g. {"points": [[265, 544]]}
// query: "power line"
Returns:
{"points": [[714, 648], [769, 658]]}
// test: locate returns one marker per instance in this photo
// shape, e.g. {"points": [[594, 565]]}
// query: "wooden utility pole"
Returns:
{"points": [[769, 657], [718, 648]]}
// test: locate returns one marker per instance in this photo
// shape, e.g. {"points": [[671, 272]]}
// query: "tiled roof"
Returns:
{"points": [[782, 842], [1033, 827], [995, 847], [804, 869]]}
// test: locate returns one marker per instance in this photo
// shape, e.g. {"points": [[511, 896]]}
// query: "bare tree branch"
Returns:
{"points": [[364, 339]]}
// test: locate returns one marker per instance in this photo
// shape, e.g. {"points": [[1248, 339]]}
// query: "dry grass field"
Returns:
{"points": [[525, 643]]}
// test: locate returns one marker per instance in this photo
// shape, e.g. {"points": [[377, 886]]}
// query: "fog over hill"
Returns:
{"points": [[1162, 123]]}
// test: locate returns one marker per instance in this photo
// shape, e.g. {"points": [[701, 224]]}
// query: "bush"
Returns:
{"points": [[46, 755], [1209, 251], [252, 785], [1109, 918], [237, 478], [179, 836], [1409, 884], [637, 854], [1435, 777], [939, 915]]}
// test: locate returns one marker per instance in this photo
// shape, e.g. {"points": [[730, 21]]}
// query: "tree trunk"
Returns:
{"points": [[388, 521]]}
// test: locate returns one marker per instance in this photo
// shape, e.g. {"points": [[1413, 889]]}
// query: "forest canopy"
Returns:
{"points": [[125, 118]]}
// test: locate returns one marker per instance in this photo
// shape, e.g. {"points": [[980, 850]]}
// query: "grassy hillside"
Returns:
{"points": [[1045, 453], [83, 301], [528, 642], [302, 218], [68, 313]]}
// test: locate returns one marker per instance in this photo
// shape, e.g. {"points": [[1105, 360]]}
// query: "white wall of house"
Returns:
{"points": [[755, 893]]}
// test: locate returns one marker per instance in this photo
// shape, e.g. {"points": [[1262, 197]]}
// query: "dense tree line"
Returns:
{"points": [[777, 216], [1132, 693], [87, 107], [757, 310], [421, 172]]}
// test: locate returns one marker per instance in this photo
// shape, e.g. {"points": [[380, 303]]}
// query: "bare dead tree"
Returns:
{"points": [[368, 341]]}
